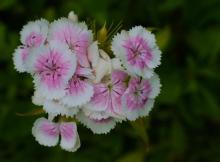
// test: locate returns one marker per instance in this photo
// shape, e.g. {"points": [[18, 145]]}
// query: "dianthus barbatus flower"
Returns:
{"points": [[78, 91], [138, 99], [52, 67], [137, 50], [47, 133], [75, 35], [107, 95], [34, 34]]}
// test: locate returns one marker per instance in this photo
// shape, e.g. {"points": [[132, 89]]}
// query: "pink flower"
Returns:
{"points": [[75, 35], [138, 51], [78, 92], [47, 133], [34, 34], [107, 96], [52, 66], [138, 99]]}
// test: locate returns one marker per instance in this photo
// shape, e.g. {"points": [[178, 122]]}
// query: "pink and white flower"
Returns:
{"points": [[78, 92], [75, 35], [137, 50], [52, 66], [107, 96], [138, 99], [47, 133], [34, 34]]}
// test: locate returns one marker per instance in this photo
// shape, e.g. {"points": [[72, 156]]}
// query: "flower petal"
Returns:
{"points": [[19, 58], [45, 132], [69, 136], [101, 126]]}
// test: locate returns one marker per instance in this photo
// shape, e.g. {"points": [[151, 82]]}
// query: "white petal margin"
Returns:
{"points": [[45, 132], [96, 127], [69, 136], [18, 61], [155, 86], [55, 108], [134, 114], [38, 99], [80, 98], [38, 26]]}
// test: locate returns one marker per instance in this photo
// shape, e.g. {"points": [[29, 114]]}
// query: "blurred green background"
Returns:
{"points": [[184, 125]]}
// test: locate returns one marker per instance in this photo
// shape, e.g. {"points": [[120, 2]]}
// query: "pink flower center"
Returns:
{"points": [[138, 52], [34, 40], [52, 68], [138, 94]]}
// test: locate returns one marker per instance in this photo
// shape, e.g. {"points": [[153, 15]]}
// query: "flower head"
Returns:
{"points": [[107, 96], [34, 34], [138, 99], [52, 66], [138, 51]]}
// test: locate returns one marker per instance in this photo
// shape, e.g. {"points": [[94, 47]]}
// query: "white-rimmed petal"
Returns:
{"points": [[19, 58], [134, 114], [155, 86], [45, 132], [101, 126], [69, 136]]}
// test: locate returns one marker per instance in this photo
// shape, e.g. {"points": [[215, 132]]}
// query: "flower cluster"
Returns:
{"points": [[77, 81]]}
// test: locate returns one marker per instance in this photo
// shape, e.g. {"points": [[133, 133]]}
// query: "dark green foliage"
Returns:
{"points": [[184, 125]]}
